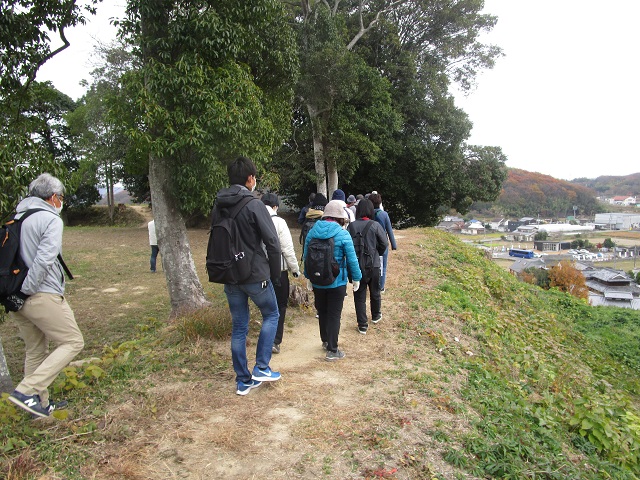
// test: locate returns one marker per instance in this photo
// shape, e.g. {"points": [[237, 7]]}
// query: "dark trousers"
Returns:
{"points": [[360, 298], [154, 256], [328, 302], [282, 296]]}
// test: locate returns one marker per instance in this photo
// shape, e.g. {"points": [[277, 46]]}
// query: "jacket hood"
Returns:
{"points": [[228, 197], [34, 202], [314, 214], [326, 229]]}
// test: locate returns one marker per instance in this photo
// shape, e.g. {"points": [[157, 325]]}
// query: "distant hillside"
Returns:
{"points": [[611, 186], [530, 194], [120, 195]]}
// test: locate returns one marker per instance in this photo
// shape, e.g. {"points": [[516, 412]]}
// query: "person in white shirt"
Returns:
{"points": [[288, 262], [153, 242]]}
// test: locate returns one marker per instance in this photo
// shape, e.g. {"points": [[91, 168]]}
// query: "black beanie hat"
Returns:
{"points": [[319, 202]]}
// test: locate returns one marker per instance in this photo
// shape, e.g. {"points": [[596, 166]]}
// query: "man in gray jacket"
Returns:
{"points": [[45, 315]]}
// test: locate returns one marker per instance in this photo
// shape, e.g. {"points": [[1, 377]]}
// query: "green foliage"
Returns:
{"points": [[204, 98], [541, 236], [540, 277], [608, 243], [610, 427], [25, 43], [33, 141], [581, 243]]}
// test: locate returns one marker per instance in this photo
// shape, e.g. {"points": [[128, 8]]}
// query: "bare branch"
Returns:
{"points": [[373, 22], [44, 60]]}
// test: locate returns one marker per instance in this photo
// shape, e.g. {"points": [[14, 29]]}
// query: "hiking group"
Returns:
{"points": [[251, 252]]}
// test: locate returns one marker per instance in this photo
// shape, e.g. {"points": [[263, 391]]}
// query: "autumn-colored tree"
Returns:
{"points": [[536, 276], [568, 279]]}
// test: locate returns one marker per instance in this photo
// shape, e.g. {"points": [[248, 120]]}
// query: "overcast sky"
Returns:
{"points": [[563, 101]]}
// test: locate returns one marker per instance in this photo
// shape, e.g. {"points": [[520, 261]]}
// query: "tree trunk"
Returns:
{"points": [[318, 149], [185, 290], [6, 384], [332, 177], [108, 183]]}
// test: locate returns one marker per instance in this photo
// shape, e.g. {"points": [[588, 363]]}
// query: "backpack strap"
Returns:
{"points": [[241, 204], [30, 212], [367, 228], [233, 212]]}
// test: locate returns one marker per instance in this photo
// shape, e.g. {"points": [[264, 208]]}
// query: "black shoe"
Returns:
{"points": [[377, 318], [362, 329], [275, 348], [337, 355]]}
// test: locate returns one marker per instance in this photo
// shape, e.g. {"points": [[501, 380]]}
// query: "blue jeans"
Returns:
{"points": [[154, 256], [383, 274], [263, 295]]}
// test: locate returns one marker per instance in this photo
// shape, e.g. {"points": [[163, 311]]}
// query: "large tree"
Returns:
{"points": [[402, 134], [26, 28], [215, 83]]}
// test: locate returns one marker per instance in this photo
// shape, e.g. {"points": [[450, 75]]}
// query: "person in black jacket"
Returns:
{"points": [[376, 242], [255, 227]]}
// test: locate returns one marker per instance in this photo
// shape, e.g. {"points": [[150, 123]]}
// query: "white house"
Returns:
{"points": [[622, 200]]}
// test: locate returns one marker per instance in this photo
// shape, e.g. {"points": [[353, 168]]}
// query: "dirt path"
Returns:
{"points": [[302, 426], [144, 211]]}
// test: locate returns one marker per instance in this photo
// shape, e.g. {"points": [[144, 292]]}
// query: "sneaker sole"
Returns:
{"points": [[27, 408], [333, 359], [376, 321], [265, 379], [361, 332], [246, 392]]}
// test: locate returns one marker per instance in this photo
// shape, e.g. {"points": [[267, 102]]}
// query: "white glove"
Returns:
{"points": [[309, 286], [356, 285]]}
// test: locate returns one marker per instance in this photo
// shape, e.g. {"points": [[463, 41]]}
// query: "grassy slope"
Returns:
{"points": [[483, 376]]}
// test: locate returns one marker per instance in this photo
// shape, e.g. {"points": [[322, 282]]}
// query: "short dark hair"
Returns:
{"points": [[376, 199], [365, 209], [270, 199], [240, 170]]}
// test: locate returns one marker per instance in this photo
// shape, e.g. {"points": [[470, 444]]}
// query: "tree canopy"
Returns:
{"points": [[373, 106], [30, 136]]}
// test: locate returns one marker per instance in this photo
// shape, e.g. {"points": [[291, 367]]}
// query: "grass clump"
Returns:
{"points": [[213, 323]]}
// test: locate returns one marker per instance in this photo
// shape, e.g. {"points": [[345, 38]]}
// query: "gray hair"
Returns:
{"points": [[45, 186]]}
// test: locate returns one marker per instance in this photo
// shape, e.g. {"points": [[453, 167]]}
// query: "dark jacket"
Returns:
{"points": [[383, 219], [376, 239], [343, 251], [255, 227]]}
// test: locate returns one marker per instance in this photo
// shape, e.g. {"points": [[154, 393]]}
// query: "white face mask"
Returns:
{"points": [[59, 209], [255, 182]]}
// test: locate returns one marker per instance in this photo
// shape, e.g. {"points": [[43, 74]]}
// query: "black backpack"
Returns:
{"points": [[13, 270], [320, 262], [365, 258], [306, 228], [226, 261]]}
